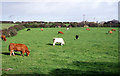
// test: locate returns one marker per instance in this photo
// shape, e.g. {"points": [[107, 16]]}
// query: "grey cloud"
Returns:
{"points": [[59, 10]]}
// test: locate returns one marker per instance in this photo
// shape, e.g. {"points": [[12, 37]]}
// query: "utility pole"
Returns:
{"points": [[94, 19], [84, 18]]}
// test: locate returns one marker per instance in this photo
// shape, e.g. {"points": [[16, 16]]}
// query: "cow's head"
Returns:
{"points": [[28, 52]]}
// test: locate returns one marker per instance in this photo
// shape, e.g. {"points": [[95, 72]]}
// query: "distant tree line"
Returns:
{"points": [[37, 24], [6, 22], [12, 31]]}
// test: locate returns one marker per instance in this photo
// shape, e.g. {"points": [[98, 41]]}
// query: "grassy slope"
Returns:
{"points": [[94, 52], [6, 25]]}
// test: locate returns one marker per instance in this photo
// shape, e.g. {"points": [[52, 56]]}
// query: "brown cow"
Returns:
{"points": [[60, 32], [88, 29], [113, 30], [41, 29], [110, 32], [18, 47], [3, 37]]}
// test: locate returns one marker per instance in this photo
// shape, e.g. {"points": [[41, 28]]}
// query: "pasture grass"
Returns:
{"points": [[6, 25], [95, 52]]}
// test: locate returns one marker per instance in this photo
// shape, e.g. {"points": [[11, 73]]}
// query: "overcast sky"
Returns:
{"points": [[60, 10]]}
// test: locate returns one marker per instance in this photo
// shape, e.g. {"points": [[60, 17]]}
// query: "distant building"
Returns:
{"points": [[86, 26], [102, 22], [59, 26]]}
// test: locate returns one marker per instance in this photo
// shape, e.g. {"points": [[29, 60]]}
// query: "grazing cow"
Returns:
{"points": [[113, 30], [67, 28], [88, 29], [59, 26], [58, 40], [18, 47], [77, 36], [3, 37], [28, 29], [41, 29], [110, 32], [60, 32]]}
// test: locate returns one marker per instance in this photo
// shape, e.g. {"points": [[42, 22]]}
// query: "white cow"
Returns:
{"points": [[67, 28], [58, 40]]}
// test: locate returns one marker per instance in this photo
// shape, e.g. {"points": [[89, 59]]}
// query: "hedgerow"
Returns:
{"points": [[12, 31]]}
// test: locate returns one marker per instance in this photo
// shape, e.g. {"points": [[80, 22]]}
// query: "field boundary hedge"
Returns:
{"points": [[12, 31]]}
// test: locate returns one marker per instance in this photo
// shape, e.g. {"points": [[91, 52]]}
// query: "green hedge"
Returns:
{"points": [[12, 31]]}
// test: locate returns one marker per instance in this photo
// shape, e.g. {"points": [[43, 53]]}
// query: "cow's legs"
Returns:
{"points": [[13, 53], [61, 44], [10, 52], [54, 43], [21, 53]]}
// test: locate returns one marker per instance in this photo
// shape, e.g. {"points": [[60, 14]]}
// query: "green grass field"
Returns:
{"points": [[95, 52], [6, 25]]}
